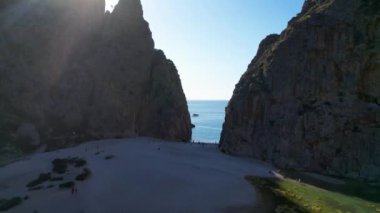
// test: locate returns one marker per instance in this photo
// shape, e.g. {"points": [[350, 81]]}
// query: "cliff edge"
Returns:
{"points": [[310, 99], [70, 72]]}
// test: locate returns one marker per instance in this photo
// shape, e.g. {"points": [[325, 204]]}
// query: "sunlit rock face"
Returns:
{"points": [[71, 73], [310, 99]]}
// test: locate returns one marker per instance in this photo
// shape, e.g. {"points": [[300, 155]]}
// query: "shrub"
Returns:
{"points": [[67, 185], [7, 204], [80, 162], [23, 143], [41, 179], [368, 98], [35, 188], [60, 165], [109, 157], [56, 179], [83, 176]]}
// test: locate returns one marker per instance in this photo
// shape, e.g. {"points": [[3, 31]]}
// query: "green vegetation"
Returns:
{"points": [[109, 157], [368, 98], [84, 176], [292, 196], [8, 154], [60, 165], [53, 179], [12, 147], [8, 149], [41, 179], [314, 9], [363, 190], [365, 17], [78, 162], [67, 185], [369, 7], [36, 188], [6, 204]]}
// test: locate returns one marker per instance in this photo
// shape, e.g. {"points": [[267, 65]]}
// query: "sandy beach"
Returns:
{"points": [[145, 175]]}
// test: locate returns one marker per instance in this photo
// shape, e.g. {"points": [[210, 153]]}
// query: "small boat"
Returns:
{"points": [[195, 115]]}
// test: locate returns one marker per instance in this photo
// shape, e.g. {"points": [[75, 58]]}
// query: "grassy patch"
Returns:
{"points": [[41, 179], [84, 176], [291, 196], [363, 190], [6, 204]]}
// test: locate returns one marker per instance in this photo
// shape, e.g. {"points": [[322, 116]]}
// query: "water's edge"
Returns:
{"points": [[209, 122]]}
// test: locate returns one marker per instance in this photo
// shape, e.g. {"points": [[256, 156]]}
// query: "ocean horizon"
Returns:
{"points": [[208, 118]]}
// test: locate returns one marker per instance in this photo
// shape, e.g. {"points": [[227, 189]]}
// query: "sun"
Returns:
{"points": [[110, 4]]}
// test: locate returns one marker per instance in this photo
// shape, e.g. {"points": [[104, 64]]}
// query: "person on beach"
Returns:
{"points": [[72, 190]]}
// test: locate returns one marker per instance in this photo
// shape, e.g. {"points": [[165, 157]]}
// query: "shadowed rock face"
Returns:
{"points": [[310, 99], [71, 72]]}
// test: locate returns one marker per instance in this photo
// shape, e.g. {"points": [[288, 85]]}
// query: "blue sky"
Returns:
{"points": [[213, 41]]}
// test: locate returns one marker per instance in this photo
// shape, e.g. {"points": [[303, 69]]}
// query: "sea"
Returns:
{"points": [[208, 118]]}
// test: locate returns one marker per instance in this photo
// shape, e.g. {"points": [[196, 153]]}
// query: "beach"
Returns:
{"points": [[140, 175]]}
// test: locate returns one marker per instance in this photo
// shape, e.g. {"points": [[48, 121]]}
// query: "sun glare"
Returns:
{"points": [[110, 5]]}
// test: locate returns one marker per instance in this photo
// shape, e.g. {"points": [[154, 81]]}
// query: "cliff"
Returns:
{"points": [[70, 72], [310, 99]]}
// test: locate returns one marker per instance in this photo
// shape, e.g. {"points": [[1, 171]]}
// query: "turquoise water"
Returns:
{"points": [[208, 125]]}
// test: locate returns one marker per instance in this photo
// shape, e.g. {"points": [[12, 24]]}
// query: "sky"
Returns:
{"points": [[212, 42]]}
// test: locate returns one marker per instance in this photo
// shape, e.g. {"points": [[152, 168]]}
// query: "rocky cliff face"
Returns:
{"points": [[310, 99], [70, 72]]}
